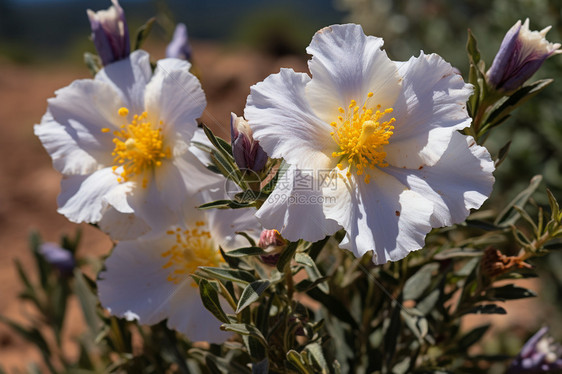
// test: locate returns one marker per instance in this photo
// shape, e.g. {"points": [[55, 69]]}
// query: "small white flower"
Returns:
{"points": [[122, 143], [149, 280], [373, 146]]}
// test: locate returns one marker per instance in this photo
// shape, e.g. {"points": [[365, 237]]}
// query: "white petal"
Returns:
{"points": [[203, 156], [383, 216], [135, 283], [81, 197], [189, 316], [432, 106], [284, 123], [71, 129], [461, 180], [122, 226], [129, 78], [347, 65], [295, 208], [174, 96]]}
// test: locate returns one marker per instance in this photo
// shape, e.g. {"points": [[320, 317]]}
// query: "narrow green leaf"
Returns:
{"points": [[316, 247], [88, 302], [416, 285], [93, 62], [210, 298], [333, 306], [143, 32], [554, 207], [248, 238], [245, 329], [251, 293], [287, 255], [470, 338], [508, 292], [306, 284], [486, 309], [502, 154], [316, 355], [392, 333], [247, 251], [238, 276], [457, 252], [509, 215], [296, 360], [472, 48], [311, 269], [222, 146]]}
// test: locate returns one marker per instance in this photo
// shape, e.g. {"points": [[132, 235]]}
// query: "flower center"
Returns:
{"points": [[361, 136], [138, 147], [193, 248]]}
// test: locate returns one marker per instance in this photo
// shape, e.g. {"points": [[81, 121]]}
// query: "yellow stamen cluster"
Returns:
{"points": [[361, 136], [139, 146], [193, 248]]}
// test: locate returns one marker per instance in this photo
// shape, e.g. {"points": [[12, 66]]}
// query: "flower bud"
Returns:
{"points": [[521, 54], [110, 33], [179, 46], [539, 355], [247, 152], [273, 243], [60, 258]]}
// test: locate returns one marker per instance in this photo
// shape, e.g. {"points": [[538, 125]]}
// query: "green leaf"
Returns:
{"points": [[238, 276], [316, 247], [143, 32], [510, 215], [245, 329], [210, 298], [554, 207], [287, 255], [220, 144], [426, 305], [296, 360], [472, 48], [251, 293], [306, 284], [515, 100], [416, 285], [225, 204], [508, 292], [247, 251], [317, 359], [486, 309], [88, 302], [457, 252], [502, 154], [333, 306], [392, 332], [470, 338], [311, 269]]}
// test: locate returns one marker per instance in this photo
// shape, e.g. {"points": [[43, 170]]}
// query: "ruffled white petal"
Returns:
{"points": [[461, 180], [284, 123], [174, 96], [294, 208], [383, 216], [82, 196], [122, 226], [347, 65], [431, 106], [129, 77], [71, 128]]}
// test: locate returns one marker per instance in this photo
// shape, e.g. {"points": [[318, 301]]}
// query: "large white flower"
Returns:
{"points": [[149, 279], [373, 146], [122, 143]]}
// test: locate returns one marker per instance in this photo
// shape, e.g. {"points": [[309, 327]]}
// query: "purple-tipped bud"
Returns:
{"points": [[273, 243], [539, 355], [521, 54], [247, 152], [58, 257], [179, 46], [110, 33]]}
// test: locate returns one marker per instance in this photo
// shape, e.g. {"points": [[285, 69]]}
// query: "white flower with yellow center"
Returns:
{"points": [[122, 143], [149, 280], [372, 143]]}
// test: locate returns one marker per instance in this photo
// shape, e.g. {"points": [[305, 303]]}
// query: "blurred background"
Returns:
{"points": [[237, 44]]}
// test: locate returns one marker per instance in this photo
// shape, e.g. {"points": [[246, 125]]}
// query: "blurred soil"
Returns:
{"points": [[29, 185]]}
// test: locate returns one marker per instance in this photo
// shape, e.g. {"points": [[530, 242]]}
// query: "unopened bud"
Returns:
{"points": [[179, 46], [273, 243], [60, 258], [110, 33], [521, 54], [247, 152]]}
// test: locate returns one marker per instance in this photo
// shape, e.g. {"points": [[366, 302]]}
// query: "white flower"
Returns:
{"points": [[373, 146], [149, 280], [122, 143]]}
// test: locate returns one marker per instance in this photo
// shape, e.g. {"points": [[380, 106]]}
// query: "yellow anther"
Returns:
{"points": [[123, 111], [341, 110], [370, 94], [105, 129]]}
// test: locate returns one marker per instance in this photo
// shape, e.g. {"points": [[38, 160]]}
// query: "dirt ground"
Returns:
{"points": [[29, 185]]}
